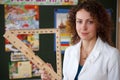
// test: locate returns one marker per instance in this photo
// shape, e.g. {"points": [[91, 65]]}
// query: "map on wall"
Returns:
{"points": [[22, 17]]}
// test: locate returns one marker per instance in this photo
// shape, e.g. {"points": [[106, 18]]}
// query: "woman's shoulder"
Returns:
{"points": [[113, 55], [111, 51], [73, 47], [69, 49], [106, 48]]}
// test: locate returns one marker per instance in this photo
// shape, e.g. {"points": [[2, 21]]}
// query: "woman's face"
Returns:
{"points": [[85, 25]]}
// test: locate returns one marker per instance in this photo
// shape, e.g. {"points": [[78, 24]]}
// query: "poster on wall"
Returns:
{"points": [[20, 70], [60, 21], [22, 17], [21, 67], [40, 2]]}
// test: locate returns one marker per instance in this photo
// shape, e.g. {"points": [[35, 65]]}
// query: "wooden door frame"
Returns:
{"points": [[118, 26]]}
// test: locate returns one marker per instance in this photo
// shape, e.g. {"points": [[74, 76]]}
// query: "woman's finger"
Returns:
{"points": [[44, 75], [49, 65]]}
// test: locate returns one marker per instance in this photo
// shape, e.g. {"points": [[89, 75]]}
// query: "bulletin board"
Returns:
{"points": [[46, 51]]}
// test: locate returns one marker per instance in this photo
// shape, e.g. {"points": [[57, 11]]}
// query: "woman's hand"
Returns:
{"points": [[44, 75]]}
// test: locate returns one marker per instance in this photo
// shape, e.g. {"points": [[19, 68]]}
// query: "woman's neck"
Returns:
{"points": [[87, 45], [86, 49]]}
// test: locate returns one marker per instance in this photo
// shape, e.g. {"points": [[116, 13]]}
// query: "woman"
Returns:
{"points": [[91, 55]]}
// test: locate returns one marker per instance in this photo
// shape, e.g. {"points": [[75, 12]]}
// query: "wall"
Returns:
{"points": [[46, 21]]}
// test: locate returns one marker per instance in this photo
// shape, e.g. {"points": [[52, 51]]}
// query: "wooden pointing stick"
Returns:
{"points": [[10, 35]]}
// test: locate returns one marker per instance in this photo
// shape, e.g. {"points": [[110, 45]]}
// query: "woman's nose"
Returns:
{"points": [[84, 26]]}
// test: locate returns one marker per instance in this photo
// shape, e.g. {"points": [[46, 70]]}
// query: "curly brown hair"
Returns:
{"points": [[98, 12]]}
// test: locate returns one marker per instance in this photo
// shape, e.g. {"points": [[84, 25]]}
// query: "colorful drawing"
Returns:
{"points": [[22, 17]]}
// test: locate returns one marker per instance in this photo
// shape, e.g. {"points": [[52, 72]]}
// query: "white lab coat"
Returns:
{"points": [[102, 64]]}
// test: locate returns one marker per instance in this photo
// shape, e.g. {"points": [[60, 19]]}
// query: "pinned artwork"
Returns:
{"points": [[20, 70], [22, 17], [61, 23]]}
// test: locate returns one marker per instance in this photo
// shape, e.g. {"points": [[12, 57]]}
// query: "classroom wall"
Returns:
{"points": [[46, 51]]}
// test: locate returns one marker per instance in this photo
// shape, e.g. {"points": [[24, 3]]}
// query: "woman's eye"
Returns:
{"points": [[78, 21], [90, 22]]}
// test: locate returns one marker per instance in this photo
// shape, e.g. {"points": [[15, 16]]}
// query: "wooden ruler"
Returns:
{"points": [[10, 35]]}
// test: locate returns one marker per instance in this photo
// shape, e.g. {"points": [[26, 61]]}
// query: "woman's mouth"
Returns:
{"points": [[84, 34]]}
